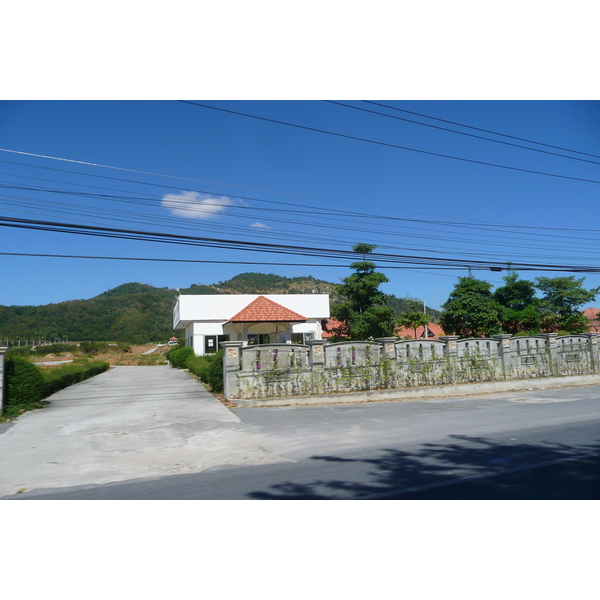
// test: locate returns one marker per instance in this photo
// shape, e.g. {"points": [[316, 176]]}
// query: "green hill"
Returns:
{"points": [[140, 313]]}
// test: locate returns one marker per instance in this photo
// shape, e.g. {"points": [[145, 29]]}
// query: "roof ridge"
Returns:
{"points": [[263, 309]]}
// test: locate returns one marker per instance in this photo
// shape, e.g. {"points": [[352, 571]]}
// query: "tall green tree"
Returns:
{"points": [[563, 297], [520, 306], [471, 310], [413, 320], [365, 311]]}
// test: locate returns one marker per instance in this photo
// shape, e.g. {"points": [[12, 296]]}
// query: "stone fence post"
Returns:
{"points": [[593, 346], [2, 382], [507, 355], [231, 366], [388, 347], [551, 346], [450, 349], [451, 353], [316, 354]]}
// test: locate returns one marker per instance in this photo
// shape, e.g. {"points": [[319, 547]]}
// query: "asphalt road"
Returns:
{"points": [[541, 444]]}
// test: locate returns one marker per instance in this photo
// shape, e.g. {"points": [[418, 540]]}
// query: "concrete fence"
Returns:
{"points": [[281, 370], [2, 382]]}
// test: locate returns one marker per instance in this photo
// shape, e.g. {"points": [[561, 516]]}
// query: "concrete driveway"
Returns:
{"points": [[127, 423]]}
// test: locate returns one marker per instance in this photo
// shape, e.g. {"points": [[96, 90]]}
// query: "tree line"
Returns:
{"points": [[472, 309]]}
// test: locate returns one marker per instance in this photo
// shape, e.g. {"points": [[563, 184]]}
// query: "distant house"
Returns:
{"points": [[332, 328], [433, 332], [249, 318], [592, 316]]}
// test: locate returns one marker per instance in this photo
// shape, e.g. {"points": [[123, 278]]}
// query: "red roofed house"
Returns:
{"points": [[249, 318], [592, 315], [434, 331]]}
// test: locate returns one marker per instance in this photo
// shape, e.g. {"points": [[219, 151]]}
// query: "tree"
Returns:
{"points": [[520, 307], [365, 312], [470, 310], [563, 296], [413, 320]]}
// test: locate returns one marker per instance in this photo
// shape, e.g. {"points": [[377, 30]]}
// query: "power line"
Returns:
{"points": [[282, 249], [479, 137], [513, 137], [342, 215], [389, 145], [177, 260], [464, 220]]}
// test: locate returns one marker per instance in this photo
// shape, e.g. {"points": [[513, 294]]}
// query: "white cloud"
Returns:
{"points": [[259, 225], [193, 205]]}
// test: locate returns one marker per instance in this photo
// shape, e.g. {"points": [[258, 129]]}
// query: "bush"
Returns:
{"points": [[18, 351], [209, 369], [199, 366], [26, 385], [93, 347], [66, 375], [53, 349], [215, 373], [178, 357]]}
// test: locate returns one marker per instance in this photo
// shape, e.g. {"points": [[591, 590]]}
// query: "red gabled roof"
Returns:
{"points": [[264, 310], [592, 314], [435, 331]]}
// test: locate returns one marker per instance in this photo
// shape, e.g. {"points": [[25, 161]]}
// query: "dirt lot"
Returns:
{"points": [[115, 355]]}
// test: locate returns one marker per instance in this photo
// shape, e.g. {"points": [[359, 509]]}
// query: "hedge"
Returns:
{"points": [[208, 368], [26, 385], [178, 357]]}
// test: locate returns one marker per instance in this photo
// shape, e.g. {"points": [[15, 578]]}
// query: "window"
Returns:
{"points": [[259, 338], [212, 343], [302, 338]]}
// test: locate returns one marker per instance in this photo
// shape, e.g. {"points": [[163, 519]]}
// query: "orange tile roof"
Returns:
{"points": [[592, 314], [331, 325], [264, 310], [435, 331]]}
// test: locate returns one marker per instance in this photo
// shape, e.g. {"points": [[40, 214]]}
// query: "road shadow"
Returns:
{"points": [[465, 468]]}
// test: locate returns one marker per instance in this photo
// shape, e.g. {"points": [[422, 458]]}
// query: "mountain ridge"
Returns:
{"points": [[140, 313]]}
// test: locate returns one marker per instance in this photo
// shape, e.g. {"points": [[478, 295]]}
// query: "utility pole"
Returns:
{"points": [[426, 328]]}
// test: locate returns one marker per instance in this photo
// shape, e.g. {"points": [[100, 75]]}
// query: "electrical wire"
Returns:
{"points": [[513, 137], [480, 137], [390, 145], [280, 248]]}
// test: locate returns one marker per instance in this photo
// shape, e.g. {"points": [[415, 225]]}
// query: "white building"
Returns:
{"points": [[249, 318]]}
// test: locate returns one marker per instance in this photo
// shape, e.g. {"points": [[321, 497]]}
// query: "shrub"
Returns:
{"points": [[215, 373], [178, 357], [199, 366], [53, 349], [18, 351], [61, 377], [93, 347], [25, 386], [209, 369]]}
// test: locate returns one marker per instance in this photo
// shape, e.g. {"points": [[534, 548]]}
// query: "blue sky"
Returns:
{"points": [[231, 176]]}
